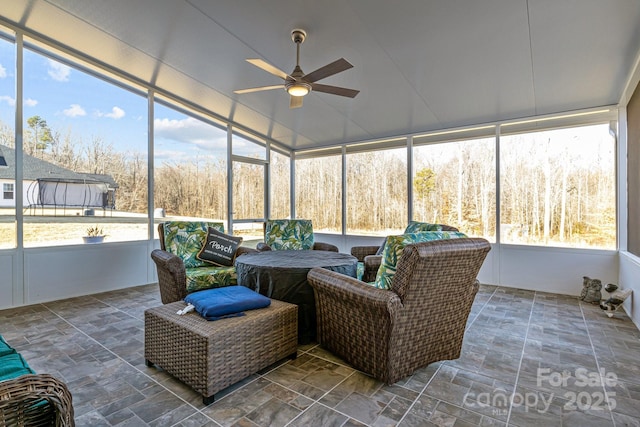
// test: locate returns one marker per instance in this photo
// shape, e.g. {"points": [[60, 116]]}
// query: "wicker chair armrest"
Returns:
{"points": [[262, 247], [362, 251], [349, 290], [446, 227], [371, 266], [372, 261], [320, 246], [242, 250], [172, 276], [18, 396], [167, 260]]}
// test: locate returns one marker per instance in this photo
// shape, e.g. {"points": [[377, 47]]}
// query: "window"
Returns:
{"points": [[248, 190], [558, 187], [454, 183], [280, 169], [249, 178], [7, 191], [246, 147], [85, 153], [319, 192], [377, 196], [190, 166]]}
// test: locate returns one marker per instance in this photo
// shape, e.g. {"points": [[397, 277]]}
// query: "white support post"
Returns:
{"points": [[19, 291], [150, 163], [229, 180]]}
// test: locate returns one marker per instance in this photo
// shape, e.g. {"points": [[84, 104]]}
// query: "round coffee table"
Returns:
{"points": [[282, 275]]}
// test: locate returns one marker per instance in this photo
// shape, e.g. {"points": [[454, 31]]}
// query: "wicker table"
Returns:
{"points": [[210, 356], [282, 275]]}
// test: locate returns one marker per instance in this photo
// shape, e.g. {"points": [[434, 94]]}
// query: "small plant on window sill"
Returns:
{"points": [[94, 235]]}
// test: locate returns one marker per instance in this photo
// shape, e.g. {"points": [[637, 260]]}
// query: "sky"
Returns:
{"points": [[73, 101]]}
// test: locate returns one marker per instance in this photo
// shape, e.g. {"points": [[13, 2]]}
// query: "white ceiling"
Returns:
{"points": [[420, 64]]}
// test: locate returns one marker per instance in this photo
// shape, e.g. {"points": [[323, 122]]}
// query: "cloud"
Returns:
{"points": [[58, 71], [169, 156], [9, 100], [3, 72], [191, 131], [116, 113], [74, 110], [12, 102]]}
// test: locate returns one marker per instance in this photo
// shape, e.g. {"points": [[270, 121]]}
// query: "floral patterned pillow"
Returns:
{"points": [[185, 239], [419, 227], [289, 234], [393, 250]]}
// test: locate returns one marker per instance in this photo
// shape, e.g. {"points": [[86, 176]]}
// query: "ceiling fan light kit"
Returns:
{"points": [[298, 89], [298, 84]]}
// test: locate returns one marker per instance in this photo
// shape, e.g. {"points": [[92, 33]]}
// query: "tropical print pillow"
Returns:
{"points": [[360, 270], [185, 239], [419, 227], [393, 250], [289, 234]]}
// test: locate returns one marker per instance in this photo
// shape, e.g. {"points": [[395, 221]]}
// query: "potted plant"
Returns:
{"points": [[94, 235]]}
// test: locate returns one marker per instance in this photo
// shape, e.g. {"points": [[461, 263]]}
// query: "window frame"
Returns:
{"points": [[8, 188]]}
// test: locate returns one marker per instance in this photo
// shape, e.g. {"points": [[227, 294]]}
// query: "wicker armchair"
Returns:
{"points": [[172, 274], [371, 258], [292, 234], [35, 400], [389, 334]]}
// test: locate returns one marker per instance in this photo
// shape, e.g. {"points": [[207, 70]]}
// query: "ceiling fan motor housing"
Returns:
{"points": [[298, 35]]}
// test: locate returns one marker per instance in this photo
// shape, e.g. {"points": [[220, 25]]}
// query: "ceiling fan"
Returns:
{"points": [[298, 84]]}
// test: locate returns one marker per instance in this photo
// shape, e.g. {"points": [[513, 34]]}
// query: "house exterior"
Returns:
{"points": [[48, 185]]}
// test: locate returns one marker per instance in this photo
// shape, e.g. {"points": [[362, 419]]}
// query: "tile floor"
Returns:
{"points": [[529, 359]]}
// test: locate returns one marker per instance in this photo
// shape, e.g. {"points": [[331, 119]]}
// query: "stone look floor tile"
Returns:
{"points": [[95, 344], [274, 413]]}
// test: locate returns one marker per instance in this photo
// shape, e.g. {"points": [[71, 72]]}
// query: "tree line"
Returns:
{"points": [[546, 195]]}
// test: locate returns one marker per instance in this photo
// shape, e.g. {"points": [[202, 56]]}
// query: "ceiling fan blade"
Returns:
{"points": [[258, 89], [328, 70], [295, 102], [268, 68], [335, 90]]}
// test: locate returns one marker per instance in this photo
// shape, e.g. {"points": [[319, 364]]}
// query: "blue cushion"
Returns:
{"points": [[213, 304], [13, 366]]}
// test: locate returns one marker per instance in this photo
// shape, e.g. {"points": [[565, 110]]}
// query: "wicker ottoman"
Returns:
{"points": [[210, 356]]}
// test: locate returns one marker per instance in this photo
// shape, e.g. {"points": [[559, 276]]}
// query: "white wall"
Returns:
{"points": [[12, 202], [555, 270], [60, 272], [7, 278], [630, 279], [546, 269]]}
